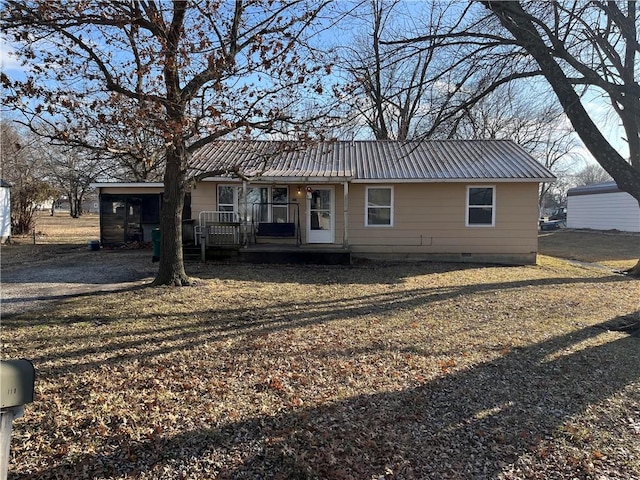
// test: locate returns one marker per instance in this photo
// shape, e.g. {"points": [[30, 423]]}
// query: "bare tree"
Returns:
{"points": [[593, 47], [591, 174], [582, 49], [195, 71], [22, 158], [71, 171], [402, 88], [518, 112], [406, 85]]}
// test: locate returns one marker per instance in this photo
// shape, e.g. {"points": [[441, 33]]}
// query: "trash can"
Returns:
{"points": [[155, 239], [94, 245]]}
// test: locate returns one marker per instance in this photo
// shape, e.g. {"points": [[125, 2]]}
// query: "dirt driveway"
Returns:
{"points": [[32, 279]]}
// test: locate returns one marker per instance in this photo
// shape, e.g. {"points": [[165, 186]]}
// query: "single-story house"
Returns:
{"points": [[469, 200], [5, 211], [602, 206]]}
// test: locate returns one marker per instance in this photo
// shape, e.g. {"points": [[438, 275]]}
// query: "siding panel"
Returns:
{"points": [[431, 219], [606, 211]]}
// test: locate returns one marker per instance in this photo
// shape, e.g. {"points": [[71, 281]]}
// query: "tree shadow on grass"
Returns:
{"points": [[363, 273], [205, 325], [14, 309], [472, 423]]}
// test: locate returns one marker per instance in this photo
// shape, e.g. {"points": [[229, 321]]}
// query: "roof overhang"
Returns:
{"points": [[132, 185], [281, 180], [458, 180]]}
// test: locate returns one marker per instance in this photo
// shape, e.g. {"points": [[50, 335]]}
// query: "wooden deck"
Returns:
{"points": [[273, 253]]}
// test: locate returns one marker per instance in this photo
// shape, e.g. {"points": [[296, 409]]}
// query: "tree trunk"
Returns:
{"points": [[171, 268], [635, 270], [513, 18]]}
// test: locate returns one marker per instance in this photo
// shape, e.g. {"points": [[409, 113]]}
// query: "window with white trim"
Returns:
{"points": [[226, 198], [280, 209], [262, 203], [379, 207], [481, 206]]}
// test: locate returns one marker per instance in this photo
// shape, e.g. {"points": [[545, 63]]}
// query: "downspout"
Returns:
{"points": [[345, 214]]}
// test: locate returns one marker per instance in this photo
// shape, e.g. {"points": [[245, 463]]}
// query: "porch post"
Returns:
{"points": [[345, 214], [244, 221]]}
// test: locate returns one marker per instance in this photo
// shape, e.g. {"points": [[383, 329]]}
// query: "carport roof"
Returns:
{"points": [[370, 161]]}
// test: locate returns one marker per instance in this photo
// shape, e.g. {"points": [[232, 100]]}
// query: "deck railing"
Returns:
{"points": [[218, 228]]}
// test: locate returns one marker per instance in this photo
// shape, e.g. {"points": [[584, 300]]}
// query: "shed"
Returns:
{"points": [[602, 206], [5, 211], [130, 211]]}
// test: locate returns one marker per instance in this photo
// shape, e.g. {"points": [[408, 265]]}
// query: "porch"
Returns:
{"points": [[271, 253], [222, 235]]}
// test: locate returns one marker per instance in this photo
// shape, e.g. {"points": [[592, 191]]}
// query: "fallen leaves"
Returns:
{"points": [[454, 372]]}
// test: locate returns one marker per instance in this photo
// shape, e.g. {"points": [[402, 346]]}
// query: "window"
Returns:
{"points": [[262, 204], [226, 200], [379, 211], [280, 209], [481, 206], [257, 203]]}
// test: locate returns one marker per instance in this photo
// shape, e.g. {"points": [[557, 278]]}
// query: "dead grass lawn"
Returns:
{"points": [[614, 250], [54, 235], [429, 371]]}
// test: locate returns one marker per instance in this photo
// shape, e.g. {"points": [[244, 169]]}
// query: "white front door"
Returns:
{"points": [[320, 215]]}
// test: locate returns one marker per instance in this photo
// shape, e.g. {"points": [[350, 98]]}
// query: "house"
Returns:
{"points": [[452, 200], [5, 211], [602, 206]]}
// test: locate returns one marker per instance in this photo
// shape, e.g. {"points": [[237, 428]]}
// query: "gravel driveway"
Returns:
{"points": [[32, 283]]}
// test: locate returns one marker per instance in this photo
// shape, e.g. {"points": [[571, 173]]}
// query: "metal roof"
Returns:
{"points": [[604, 187], [371, 161]]}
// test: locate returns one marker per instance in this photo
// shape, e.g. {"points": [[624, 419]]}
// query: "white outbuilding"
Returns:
{"points": [[5, 211], [602, 206]]}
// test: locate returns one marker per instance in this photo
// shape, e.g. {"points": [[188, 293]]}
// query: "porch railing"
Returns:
{"points": [[218, 228]]}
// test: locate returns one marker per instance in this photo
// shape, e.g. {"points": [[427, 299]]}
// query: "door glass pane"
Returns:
{"points": [[321, 199], [320, 212], [280, 195]]}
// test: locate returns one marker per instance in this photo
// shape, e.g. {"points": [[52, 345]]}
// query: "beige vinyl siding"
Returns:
{"points": [[203, 198], [430, 218]]}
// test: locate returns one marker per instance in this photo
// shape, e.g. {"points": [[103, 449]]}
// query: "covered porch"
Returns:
{"points": [[280, 229], [288, 212]]}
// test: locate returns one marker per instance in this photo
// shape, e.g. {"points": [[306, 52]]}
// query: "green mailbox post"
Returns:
{"points": [[17, 381]]}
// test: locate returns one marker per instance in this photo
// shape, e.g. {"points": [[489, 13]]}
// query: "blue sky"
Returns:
{"points": [[598, 107]]}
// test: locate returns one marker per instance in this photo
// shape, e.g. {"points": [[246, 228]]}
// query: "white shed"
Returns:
{"points": [[5, 211], [602, 206]]}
